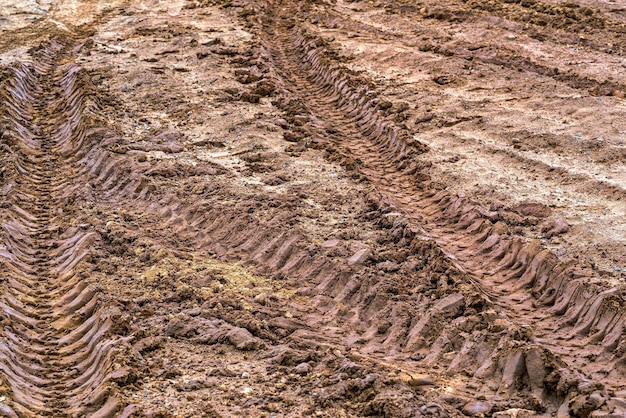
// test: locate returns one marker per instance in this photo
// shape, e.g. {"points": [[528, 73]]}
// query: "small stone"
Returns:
{"points": [[477, 408], [302, 369], [330, 243], [261, 299], [245, 375], [246, 391]]}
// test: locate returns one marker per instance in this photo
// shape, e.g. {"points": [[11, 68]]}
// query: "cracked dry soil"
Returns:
{"points": [[280, 208]]}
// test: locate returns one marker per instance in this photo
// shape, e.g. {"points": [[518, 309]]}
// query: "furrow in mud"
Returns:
{"points": [[469, 227], [59, 355], [526, 281]]}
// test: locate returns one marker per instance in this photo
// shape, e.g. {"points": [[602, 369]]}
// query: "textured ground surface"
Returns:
{"points": [[312, 208]]}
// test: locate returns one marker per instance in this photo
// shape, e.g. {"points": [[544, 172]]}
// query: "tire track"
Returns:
{"points": [[58, 354], [528, 282], [61, 157]]}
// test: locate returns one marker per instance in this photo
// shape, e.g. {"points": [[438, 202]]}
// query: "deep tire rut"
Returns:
{"points": [[521, 278], [58, 354]]}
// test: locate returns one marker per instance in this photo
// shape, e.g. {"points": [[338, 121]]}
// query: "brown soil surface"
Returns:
{"points": [[330, 208]]}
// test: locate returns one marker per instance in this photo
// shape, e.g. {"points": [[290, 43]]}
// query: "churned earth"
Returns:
{"points": [[275, 208]]}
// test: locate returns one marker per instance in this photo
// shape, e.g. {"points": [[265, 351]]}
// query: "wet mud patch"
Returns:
{"points": [[247, 218]]}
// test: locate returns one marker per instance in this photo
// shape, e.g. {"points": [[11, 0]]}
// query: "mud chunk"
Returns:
{"points": [[512, 218], [606, 414], [455, 400], [247, 76], [212, 331], [583, 405], [537, 210], [514, 367], [292, 136], [302, 369], [451, 303], [350, 368], [521, 333], [222, 371], [388, 266], [227, 51], [432, 409], [122, 376], [360, 257], [243, 340], [479, 408], [148, 344], [417, 380], [275, 180], [385, 105], [265, 89], [250, 97], [499, 325], [442, 80], [555, 227], [286, 325], [166, 141], [190, 385], [179, 327]]}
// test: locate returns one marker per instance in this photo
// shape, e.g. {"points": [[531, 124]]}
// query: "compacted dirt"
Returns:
{"points": [[313, 208]]}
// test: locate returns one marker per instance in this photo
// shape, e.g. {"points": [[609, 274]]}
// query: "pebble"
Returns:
{"points": [[261, 299], [477, 408], [330, 243], [302, 369]]}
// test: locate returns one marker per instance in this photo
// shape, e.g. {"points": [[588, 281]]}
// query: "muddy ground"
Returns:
{"points": [[313, 208]]}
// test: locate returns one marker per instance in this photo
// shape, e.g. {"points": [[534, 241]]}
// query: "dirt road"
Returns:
{"points": [[321, 208]]}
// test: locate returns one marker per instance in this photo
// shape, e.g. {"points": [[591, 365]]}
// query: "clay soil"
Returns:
{"points": [[320, 208]]}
